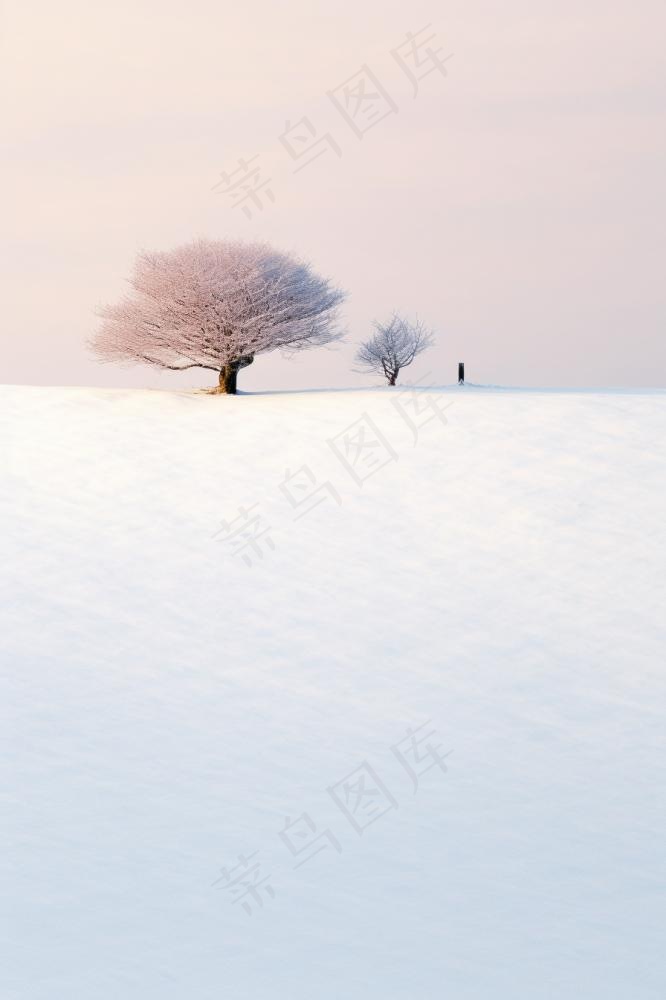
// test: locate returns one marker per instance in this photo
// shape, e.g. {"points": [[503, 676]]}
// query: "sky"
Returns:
{"points": [[513, 197]]}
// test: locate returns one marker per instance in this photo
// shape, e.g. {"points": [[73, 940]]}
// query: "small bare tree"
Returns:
{"points": [[215, 304], [394, 345]]}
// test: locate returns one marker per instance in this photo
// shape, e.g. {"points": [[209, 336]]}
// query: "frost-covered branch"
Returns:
{"points": [[394, 345], [214, 305]]}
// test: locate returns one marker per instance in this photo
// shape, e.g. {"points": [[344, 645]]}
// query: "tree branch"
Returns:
{"points": [[176, 368]]}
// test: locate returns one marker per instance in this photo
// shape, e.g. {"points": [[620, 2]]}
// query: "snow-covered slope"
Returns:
{"points": [[169, 704]]}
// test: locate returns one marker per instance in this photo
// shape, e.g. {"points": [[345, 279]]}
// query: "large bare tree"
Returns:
{"points": [[394, 345], [216, 304]]}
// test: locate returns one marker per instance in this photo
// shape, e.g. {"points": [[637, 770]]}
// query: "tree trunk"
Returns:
{"points": [[229, 374], [392, 377], [228, 378]]}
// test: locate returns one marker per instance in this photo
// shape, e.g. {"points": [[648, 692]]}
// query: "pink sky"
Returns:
{"points": [[516, 205]]}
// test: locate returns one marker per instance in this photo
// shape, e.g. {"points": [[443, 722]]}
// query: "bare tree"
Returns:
{"points": [[394, 345], [215, 304]]}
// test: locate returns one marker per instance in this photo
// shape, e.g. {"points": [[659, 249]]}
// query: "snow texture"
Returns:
{"points": [[168, 707]]}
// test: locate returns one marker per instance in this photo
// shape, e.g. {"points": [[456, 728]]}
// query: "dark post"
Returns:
{"points": [[461, 373]]}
